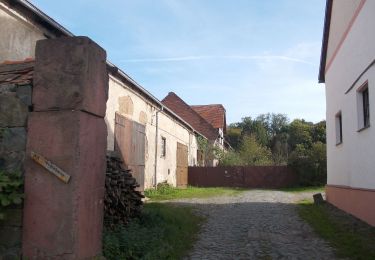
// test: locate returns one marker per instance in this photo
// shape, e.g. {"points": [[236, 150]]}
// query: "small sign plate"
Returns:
{"points": [[52, 168]]}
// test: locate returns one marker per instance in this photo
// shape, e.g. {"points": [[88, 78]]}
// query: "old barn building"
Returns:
{"points": [[155, 142]]}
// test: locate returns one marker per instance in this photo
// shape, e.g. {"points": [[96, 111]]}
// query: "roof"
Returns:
{"points": [[177, 105], [323, 56], [16, 73], [214, 114]]}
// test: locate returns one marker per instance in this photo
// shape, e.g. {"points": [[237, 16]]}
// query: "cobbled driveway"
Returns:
{"points": [[258, 224]]}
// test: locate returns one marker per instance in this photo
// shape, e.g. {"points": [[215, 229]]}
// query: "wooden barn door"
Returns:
{"points": [[182, 165], [130, 139]]}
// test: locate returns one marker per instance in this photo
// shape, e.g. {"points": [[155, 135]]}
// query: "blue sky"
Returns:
{"points": [[252, 56]]}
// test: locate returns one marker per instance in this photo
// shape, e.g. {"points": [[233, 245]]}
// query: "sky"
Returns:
{"points": [[252, 56]]}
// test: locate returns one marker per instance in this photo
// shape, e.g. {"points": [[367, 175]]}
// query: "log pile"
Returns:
{"points": [[121, 200]]}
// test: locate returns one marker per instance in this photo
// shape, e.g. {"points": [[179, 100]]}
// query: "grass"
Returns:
{"points": [[304, 189], [350, 237], [163, 232], [166, 192]]}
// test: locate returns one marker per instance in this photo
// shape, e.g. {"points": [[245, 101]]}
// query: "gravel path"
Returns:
{"points": [[257, 224]]}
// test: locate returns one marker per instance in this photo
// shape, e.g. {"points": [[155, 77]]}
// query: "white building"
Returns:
{"points": [[347, 69], [155, 142]]}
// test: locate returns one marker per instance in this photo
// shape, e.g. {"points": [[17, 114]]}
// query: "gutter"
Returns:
{"points": [[323, 55], [156, 147]]}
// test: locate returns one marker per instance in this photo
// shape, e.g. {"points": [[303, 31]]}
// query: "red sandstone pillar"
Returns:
{"points": [[67, 127]]}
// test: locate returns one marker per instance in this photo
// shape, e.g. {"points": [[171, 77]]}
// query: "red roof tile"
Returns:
{"points": [[16, 72], [214, 114], [178, 106]]}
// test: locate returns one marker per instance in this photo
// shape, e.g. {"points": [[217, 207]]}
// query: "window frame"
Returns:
{"points": [[338, 127], [163, 150], [363, 107]]}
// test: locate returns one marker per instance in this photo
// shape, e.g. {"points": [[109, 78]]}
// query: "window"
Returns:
{"points": [[338, 122], [163, 146], [363, 107], [366, 108]]}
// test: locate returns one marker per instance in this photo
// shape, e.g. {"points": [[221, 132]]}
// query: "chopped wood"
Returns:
{"points": [[122, 201]]}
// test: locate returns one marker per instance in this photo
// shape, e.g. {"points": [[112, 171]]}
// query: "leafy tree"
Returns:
{"points": [[231, 158], [300, 133], [310, 164], [252, 153], [233, 137], [319, 132]]}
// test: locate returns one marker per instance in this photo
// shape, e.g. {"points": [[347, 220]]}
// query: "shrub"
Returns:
{"points": [[310, 164], [11, 191], [162, 232]]}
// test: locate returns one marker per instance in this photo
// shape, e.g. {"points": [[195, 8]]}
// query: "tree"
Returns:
{"points": [[252, 153], [233, 137], [319, 132], [231, 158], [300, 133], [310, 164]]}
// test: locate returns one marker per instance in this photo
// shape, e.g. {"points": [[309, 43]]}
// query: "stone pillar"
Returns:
{"points": [[67, 127]]}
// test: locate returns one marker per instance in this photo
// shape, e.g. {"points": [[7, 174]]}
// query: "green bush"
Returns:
{"points": [[162, 232], [310, 164], [11, 191]]}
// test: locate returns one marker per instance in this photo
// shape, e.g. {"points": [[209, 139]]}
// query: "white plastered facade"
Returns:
{"points": [[351, 163]]}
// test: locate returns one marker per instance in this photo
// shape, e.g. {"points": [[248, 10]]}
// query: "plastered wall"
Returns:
{"points": [[17, 36], [352, 162], [132, 105]]}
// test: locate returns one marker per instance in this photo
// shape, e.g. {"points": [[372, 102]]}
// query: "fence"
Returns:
{"points": [[238, 176]]}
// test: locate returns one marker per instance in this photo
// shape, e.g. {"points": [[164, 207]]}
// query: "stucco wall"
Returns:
{"points": [[342, 13], [125, 101], [352, 162], [17, 36]]}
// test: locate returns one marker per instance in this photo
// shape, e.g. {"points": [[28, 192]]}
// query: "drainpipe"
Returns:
{"points": [[156, 146]]}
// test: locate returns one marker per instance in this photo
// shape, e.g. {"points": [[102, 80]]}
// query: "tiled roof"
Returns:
{"points": [[178, 106], [214, 114], [16, 72]]}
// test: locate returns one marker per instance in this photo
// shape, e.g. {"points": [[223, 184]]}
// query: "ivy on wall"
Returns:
{"points": [[11, 191]]}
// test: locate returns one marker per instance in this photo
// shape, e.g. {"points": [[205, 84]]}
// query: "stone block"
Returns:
{"points": [[13, 217], [12, 161], [70, 73], [12, 139], [75, 141], [10, 236], [24, 93], [13, 112]]}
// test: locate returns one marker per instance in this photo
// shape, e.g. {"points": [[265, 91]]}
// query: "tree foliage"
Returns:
{"points": [[273, 140]]}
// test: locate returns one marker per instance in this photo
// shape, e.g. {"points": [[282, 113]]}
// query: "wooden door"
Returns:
{"points": [[130, 139], [182, 165]]}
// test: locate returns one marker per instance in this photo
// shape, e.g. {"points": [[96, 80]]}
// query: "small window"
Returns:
{"points": [[163, 146], [363, 107], [338, 123], [366, 108]]}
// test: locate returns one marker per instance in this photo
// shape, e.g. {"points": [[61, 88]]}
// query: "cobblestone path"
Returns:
{"points": [[257, 224]]}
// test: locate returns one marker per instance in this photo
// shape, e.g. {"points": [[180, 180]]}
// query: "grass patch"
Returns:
{"points": [[350, 237], [304, 189], [166, 192], [162, 232]]}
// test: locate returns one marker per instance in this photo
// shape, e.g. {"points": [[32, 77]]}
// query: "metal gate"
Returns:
{"points": [[130, 139], [182, 165]]}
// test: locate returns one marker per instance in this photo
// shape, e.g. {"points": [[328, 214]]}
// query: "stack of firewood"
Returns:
{"points": [[121, 200]]}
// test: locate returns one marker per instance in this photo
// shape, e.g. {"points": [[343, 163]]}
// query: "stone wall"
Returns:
{"points": [[15, 103]]}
